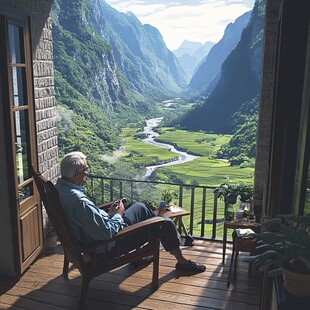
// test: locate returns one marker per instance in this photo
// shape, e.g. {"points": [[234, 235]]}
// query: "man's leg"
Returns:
{"points": [[170, 237], [136, 213], [170, 240]]}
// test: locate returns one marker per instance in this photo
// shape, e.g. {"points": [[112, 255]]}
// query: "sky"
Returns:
{"points": [[192, 20]]}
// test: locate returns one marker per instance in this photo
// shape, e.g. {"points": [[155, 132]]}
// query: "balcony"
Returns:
{"points": [[43, 287]]}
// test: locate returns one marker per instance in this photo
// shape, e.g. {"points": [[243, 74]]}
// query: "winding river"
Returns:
{"points": [[151, 135]]}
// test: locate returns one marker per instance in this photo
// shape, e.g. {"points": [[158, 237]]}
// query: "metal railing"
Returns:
{"points": [[206, 211]]}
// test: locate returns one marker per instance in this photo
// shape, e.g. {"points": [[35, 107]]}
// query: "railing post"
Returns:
{"points": [[131, 191], [192, 210], [203, 212], [102, 190], [181, 195], [92, 187], [120, 190], [214, 216], [111, 190]]}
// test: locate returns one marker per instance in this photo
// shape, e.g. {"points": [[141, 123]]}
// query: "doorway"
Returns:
{"points": [[17, 107]]}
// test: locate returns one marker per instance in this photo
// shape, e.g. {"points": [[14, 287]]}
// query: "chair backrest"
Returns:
{"points": [[50, 198]]}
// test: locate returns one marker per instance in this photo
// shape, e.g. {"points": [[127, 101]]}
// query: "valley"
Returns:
{"points": [[106, 87], [206, 169], [151, 139]]}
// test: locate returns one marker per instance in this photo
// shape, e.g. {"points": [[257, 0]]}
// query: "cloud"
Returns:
{"points": [[193, 20]]}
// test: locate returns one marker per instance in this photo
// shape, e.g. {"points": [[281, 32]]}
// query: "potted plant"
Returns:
{"points": [[285, 248], [168, 195], [230, 193], [245, 191]]}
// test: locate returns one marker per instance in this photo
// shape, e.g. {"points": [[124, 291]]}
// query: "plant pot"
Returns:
{"points": [[229, 212], [297, 284]]}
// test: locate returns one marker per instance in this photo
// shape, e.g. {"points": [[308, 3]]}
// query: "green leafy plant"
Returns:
{"points": [[227, 192], [245, 191], [286, 244], [230, 192], [168, 195]]}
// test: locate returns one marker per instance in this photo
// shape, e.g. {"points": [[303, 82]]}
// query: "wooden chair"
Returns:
{"points": [[84, 257]]}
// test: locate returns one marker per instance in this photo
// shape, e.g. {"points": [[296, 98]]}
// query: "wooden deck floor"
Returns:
{"points": [[43, 287]]}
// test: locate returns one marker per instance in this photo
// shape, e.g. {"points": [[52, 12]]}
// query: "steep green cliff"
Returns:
{"points": [[109, 70], [239, 82]]}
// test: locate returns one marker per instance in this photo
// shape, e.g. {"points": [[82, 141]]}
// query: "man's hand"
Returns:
{"points": [[117, 208]]}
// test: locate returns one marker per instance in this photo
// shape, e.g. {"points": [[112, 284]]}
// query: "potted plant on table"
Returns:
{"points": [[285, 248], [230, 193], [168, 195], [246, 192]]}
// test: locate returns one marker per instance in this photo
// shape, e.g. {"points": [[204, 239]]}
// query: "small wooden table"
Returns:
{"points": [[177, 218], [237, 224]]}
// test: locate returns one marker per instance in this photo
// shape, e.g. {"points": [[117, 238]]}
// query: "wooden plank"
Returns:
{"points": [[43, 287]]}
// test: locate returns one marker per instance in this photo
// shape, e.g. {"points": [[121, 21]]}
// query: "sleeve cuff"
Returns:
{"points": [[118, 217]]}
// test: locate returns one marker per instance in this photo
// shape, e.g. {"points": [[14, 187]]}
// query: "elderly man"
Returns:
{"points": [[89, 223]]}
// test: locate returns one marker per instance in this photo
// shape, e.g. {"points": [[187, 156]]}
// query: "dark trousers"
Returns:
{"points": [[138, 212]]}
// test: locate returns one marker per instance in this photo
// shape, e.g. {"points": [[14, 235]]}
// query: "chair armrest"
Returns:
{"points": [[154, 221]]}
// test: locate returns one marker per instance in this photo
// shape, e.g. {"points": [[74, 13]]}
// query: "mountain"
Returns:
{"points": [[191, 53], [187, 47], [203, 51], [208, 71], [123, 59], [109, 69], [139, 51], [239, 81]]}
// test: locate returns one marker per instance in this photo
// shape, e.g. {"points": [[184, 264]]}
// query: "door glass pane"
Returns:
{"points": [[25, 191], [19, 96], [16, 43], [21, 145]]}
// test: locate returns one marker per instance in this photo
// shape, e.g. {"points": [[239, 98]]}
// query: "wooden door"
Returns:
{"points": [[18, 104]]}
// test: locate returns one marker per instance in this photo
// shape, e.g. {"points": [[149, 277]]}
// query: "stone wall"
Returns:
{"points": [[44, 95], [266, 101]]}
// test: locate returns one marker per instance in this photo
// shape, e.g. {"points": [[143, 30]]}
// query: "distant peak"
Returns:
{"points": [[190, 44]]}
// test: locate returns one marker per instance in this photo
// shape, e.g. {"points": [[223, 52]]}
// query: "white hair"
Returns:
{"points": [[72, 162]]}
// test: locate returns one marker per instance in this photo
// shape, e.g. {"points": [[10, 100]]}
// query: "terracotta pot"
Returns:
{"points": [[297, 284]]}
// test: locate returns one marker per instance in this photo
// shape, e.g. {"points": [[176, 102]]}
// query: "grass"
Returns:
{"points": [[140, 153], [198, 143], [205, 171]]}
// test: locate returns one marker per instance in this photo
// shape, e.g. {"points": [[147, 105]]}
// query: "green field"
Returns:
{"points": [[203, 171], [140, 153]]}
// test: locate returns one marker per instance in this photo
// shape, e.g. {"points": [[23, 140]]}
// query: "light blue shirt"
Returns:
{"points": [[82, 213]]}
